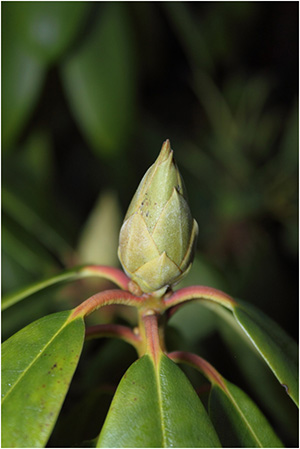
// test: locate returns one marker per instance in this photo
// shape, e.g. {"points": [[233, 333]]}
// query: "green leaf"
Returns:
{"points": [[156, 407], [38, 364], [279, 351], [238, 420], [99, 80]]}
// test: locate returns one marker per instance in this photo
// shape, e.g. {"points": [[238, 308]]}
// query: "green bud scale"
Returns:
{"points": [[158, 235]]}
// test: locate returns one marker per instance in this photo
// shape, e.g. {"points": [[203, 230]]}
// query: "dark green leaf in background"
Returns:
{"points": [[33, 35], [156, 409], [190, 35], [33, 223], [38, 364], [22, 78], [99, 79], [24, 250], [47, 28]]}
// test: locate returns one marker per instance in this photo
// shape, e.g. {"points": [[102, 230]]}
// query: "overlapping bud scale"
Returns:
{"points": [[158, 236]]}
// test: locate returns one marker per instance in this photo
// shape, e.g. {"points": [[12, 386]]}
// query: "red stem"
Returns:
{"points": [[199, 292], [152, 337], [112, 274], [113, 330], [200, 364], [104, 299]]}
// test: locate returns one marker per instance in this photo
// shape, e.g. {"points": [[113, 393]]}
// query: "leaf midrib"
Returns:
{"points": [[160, 402], [35, 359]]}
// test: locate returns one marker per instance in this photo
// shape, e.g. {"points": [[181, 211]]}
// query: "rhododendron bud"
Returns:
{"points": [[158, 235]]}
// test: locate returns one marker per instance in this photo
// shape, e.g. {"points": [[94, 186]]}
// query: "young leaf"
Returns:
{"points": [[156, 407], [237, 419], [38, 364], [276, 347]]}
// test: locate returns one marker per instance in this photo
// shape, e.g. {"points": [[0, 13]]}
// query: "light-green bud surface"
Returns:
{"points": [[158, 236]]}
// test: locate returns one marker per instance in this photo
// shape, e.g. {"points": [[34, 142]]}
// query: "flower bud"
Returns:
{"points": [[158, 235]]}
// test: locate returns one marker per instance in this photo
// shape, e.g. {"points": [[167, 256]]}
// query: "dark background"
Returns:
{"points": [[89, 93]]}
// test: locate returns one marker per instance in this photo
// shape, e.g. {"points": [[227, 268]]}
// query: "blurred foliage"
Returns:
{"points": [[90, 90]]}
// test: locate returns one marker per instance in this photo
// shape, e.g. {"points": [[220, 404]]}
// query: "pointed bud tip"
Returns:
{"points": [[165, 151]]}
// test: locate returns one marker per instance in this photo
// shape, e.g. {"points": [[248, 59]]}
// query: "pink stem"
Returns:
{"points": [[106, 298], [200, 364], [112, 274], [113, 330], [199, 292], [152, 337]]}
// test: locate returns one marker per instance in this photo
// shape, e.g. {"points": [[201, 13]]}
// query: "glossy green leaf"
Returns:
{"points": [[99, 80], [38, 364], [279, 351], [238, 420], [156, 407]]}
